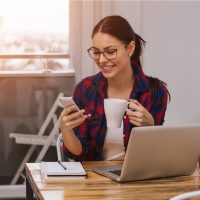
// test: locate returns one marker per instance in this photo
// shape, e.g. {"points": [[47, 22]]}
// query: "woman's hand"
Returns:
{"points": [[138, 114], [70, 118]]}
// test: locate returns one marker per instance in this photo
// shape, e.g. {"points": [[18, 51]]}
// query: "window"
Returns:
{"points": [[34, 35]]}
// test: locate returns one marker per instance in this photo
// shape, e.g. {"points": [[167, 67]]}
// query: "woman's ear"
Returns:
{"points": [[131, 48]]}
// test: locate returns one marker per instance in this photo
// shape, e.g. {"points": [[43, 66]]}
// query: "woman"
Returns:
{"points": [[116, 50]]}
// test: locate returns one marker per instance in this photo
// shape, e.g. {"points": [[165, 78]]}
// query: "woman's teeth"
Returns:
{"points": [[107, 67]]}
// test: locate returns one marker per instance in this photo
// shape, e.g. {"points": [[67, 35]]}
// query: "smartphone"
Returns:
{"points": [[67, 101]]}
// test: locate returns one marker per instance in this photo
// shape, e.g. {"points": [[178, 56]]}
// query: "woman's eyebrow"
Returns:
{"points": [[109, 47], [104, 47]]}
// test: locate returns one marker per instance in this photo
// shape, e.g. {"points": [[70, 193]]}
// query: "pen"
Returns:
{"points": [[62, 165]]}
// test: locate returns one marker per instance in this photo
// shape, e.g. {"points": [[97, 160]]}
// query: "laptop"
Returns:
{"points": [[157, 152]]}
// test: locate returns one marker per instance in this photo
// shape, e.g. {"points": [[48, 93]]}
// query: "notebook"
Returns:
{"points": [[157, 152], [54, 171]]}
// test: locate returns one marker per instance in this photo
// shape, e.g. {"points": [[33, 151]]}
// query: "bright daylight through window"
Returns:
{"points": [[34, 35]]}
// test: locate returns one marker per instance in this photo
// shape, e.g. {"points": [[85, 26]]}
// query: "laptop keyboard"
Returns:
{"points": [[117, 172]]}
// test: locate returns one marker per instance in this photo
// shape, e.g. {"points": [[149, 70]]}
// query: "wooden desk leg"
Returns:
{"points": [[29, 191]]}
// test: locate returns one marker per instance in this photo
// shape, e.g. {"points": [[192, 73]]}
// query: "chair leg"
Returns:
{"points": [[22, 165]]}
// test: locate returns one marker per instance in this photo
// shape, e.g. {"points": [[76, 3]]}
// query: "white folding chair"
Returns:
{"points": [[38, 139]]}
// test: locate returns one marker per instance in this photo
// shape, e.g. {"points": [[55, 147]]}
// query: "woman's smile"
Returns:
{"points": [[107, 68]]}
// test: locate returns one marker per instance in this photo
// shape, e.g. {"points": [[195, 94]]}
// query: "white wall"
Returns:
{"points": [[172, 32]]}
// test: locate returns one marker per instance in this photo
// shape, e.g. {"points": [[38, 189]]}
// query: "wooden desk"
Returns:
{"points": [[99, 188]]}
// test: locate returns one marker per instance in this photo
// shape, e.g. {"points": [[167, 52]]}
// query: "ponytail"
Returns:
{"points": [[139, 46]]}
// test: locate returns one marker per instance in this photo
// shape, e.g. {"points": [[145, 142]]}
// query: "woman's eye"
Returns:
{"points": [[111, 51], [96, 53]]}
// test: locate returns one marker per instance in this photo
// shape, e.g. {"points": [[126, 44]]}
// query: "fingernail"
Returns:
{"points": [[88, 116]]}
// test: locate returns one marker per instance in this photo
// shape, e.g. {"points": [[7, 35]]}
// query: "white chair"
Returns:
{"points": [[186, 195], [59, 146], [38, 139]]}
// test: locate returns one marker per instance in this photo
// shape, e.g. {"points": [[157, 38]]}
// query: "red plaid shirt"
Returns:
{"points": [[89, 95]]}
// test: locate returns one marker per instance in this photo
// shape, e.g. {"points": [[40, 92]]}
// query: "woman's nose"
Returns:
{"points": [[102, 58]]}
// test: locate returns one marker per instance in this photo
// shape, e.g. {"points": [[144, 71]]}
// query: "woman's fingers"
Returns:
{"points": [[73, 123], [138, 114], [71, 117], [135, 105]]}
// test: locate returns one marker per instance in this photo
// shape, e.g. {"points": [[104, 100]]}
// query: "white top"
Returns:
{"points": [[114, 144]]}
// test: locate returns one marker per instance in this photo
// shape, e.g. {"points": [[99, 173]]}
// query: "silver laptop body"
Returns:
{"points": [[157, 152]]}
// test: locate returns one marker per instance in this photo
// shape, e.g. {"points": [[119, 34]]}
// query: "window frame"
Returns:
{"points": [[45, 72]]}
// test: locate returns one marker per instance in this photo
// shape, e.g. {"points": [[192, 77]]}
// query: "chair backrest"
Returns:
{"points": [[59, 146], [51, 115]]}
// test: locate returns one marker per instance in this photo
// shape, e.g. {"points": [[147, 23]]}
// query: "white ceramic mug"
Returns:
{"points": [[114, 111]]}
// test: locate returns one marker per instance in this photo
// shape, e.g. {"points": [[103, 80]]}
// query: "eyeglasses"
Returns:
{"points": [[109, 53]]}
